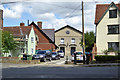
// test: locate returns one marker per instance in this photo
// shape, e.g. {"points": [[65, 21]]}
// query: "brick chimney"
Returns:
{"points": [[1, 19], [22, 24], [39, 24]]}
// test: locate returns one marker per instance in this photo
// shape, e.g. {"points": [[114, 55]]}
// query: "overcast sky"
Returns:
{"points": [[53, 13]]}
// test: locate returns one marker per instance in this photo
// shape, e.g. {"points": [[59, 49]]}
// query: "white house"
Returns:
{"points": [[107, 20]]}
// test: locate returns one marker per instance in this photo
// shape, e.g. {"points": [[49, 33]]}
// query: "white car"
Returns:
{"points": [[61, 53], [79, 56]]}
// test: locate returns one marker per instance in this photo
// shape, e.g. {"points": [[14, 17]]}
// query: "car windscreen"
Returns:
{"points": [[59, 51], [79, 53], [41, 52], [54, 53]]}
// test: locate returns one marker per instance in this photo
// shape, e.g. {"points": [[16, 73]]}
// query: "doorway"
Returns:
{"points": [[73, 49], [62, 49]]}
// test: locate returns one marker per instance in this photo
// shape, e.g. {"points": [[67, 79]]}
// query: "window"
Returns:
{"points": [[32, 39], [62, 40], [73, 40], [113, 29], [32, 50], [113, 13], [113, 45]]}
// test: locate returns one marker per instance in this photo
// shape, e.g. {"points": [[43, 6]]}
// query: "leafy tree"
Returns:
{"points": [[8, 43], [89, 41]]}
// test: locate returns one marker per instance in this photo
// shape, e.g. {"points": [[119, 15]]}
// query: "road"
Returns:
{"points": [[56, 69]]}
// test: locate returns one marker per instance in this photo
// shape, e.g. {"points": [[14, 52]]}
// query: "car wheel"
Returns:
{"points": [[50, 59], [59, 58], [44, 59]]}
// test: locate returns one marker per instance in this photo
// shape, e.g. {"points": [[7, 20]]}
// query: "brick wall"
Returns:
{"points": [[1, 19], [43, 43]]}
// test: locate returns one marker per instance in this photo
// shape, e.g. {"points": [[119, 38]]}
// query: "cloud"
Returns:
{"points": [[56, 14], [12, 11]]}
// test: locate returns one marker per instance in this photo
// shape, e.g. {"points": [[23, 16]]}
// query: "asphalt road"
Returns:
{"points": [[60, 72]]}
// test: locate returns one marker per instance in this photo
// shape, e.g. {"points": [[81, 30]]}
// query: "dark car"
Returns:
{"points": [[55, 55], [43, 55]]}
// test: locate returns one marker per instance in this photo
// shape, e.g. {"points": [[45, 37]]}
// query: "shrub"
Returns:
{"points": [[105, 51], [110, 49], [107, 58]]}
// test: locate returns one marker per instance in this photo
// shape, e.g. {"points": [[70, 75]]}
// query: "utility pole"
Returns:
{"points": [[83, 33]]}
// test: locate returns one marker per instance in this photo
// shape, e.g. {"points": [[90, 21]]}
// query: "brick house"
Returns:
{"points": [[33, 37], [107, 21], [1, 19], [44, 37]]}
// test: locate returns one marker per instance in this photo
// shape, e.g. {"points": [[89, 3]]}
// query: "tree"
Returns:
{"points": [[89, 41], [8, 43]]}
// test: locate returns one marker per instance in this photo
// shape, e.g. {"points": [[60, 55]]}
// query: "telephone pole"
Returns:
{"points": [[83, 34]]}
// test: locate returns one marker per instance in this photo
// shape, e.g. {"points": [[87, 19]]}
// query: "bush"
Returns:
{"points": [[107, 58], [110, 50]]}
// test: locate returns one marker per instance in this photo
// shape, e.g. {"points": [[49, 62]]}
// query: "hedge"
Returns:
{"points": [[107, 57]]}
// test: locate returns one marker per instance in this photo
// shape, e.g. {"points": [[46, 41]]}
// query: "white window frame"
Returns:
{"points": [[32, 50], [32, 39], [62, 41], [73, 40]]}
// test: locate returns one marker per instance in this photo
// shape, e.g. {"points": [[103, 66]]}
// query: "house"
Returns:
{"points": [[107, 21], [45, 38], [1, 25], [68, 40], [33, 37], [1, 19], [24, 37]]}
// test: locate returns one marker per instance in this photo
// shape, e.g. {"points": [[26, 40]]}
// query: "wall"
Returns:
{"points": [[1, 18], [31, 44], [42, 42], [102, 37], [67, 39]]}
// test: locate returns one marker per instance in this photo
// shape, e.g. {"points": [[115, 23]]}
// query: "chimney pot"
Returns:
{"points": [[22, 24], [39, 24]]}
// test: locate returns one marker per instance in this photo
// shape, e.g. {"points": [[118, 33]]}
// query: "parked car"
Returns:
{"points": [[61, 53], [43, 55], [79, 56], [55, 55]]}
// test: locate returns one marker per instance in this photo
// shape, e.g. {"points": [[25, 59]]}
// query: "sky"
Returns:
{"points": [[53, 13]]}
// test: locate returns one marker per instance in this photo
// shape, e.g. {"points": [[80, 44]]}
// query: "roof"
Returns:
{"points": [[45, 34], [67, 26], [16, 30], [101, 10], [50, 33]]}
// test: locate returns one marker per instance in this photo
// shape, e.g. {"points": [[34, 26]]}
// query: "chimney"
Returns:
{"points": [[39, 24], [1, 19], [22, 24]]}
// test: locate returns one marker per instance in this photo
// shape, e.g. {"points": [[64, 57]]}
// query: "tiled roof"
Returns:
{"points": [[16, 30], [50, 33], [101, 9]]}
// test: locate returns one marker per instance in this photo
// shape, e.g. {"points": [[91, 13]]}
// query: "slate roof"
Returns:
{"points": [[50, 33], [16, 30], [101, 9], [67, 26]]}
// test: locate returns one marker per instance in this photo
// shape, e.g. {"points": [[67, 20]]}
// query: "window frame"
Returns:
{"points": [[113, 30], [111, 43], [32, 39], [32, 50], [73, 40], [62, 41], [112, 14]]}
